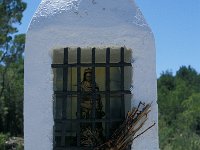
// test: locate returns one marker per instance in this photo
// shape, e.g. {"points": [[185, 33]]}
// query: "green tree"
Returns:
{"points": [[179, 109], [11, 67], [12, 95], [11, 13]]}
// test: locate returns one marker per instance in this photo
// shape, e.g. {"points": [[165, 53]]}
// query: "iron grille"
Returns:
{"points": [[62, 140]]}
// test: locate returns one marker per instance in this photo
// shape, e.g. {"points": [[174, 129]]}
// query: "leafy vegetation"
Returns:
{"points": [[11, 70], [3, 138], [179, 110]]}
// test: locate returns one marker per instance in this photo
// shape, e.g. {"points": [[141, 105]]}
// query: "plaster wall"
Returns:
{"points": [[85, 23]]}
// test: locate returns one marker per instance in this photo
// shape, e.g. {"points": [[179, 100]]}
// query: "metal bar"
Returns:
{"points": [[93, 89], [79, 95], [74, 93], [64, 99], [67, 148], [87, 120], [90, 65], [122, 84], [65, 82], [73, 148], [107, 91]]}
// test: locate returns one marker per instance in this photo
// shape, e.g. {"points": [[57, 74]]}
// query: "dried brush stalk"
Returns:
{"points": [[123, 137]]}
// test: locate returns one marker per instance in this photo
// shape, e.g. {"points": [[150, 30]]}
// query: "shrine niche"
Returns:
{"points": [[92, 93]]}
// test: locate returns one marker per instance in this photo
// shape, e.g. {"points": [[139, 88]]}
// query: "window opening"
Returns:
{"points": [[82, 105]]}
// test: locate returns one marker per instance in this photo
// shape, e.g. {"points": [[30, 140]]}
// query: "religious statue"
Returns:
{"points": [[90, 98]]}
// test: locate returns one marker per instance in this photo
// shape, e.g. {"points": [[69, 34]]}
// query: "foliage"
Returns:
{"points": [[11, 67], [179, 109], [3, 138], [11, 98], [11, 13]]}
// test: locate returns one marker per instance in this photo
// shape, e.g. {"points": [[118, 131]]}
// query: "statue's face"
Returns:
{"points": [[88, 77]]}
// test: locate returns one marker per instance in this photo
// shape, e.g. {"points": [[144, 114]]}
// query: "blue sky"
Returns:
{"points": [[176, 27]]}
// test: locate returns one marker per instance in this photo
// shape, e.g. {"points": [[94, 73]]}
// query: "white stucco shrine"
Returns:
{"points": [[66, 39]]}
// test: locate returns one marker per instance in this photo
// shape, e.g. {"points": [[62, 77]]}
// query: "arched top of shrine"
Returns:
{"points": [[92, 12]]}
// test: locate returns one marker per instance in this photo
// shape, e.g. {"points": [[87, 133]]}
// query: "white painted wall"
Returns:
{"points": [[85, 23]]}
